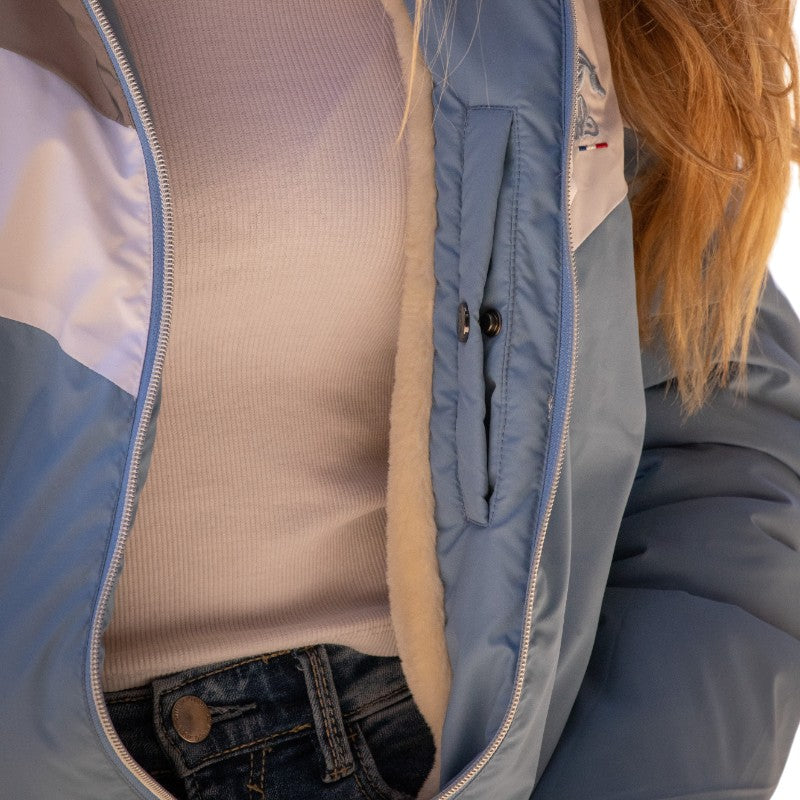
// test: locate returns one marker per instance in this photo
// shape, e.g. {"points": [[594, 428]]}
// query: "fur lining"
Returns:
{"points": [[416, 595]]}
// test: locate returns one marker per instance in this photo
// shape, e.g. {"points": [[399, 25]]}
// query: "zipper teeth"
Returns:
{"points": [[527, 629], [166, 309]]}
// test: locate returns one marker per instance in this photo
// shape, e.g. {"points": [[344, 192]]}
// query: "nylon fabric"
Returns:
{"points": [[513, 60], [638, 721], [664, 655], [76, 263], [605, 440], [600, 458], [486, 136], [697, 639], [63, 439]]}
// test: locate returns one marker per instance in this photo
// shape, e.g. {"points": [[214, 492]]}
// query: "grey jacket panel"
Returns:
{"points": [[693, 689]]}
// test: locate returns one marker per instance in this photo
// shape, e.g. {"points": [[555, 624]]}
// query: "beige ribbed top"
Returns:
{"points": [[262, 523]]}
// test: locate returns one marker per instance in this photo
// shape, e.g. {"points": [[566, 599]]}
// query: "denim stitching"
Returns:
{"points": [[361, 790], [127, 696], [340, 762], [176, 747], [383, 793], [265, 658], [250, 786], [296, 729], [323, 706], [170, 748], [342, 750], [377, 703], [399, 692]]}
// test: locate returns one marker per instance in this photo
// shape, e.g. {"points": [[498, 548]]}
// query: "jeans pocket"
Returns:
{"points": [[394, 751]]}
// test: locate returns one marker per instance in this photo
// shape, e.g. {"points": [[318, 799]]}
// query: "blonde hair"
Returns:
{"points": [[711, 89]]}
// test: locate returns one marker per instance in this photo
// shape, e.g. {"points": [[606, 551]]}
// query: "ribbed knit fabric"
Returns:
{"points": [[262, 523]]}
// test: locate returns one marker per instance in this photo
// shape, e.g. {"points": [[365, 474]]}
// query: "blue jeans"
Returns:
{"points": [[323, 721]]}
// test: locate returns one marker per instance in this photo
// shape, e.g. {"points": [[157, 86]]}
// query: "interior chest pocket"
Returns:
{"points": [[488, 200]]}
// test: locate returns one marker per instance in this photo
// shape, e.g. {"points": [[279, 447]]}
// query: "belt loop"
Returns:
{"points": [[327, 713]]}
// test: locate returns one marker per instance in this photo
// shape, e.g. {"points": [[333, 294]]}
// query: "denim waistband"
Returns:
{"points": [[264, 700]]}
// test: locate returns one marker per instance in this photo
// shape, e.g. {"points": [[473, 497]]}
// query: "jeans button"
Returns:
{"points": [[191, 718]]}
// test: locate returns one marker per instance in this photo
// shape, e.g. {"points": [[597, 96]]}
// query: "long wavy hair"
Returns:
{"points": [[710, 87]]}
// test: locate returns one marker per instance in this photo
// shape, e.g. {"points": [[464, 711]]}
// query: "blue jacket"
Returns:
{"points": [[595, 598]]}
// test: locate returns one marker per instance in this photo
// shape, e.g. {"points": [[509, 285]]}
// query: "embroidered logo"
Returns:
{"points": [[585, 124]]}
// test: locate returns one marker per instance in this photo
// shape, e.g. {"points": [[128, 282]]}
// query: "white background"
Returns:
{"points": [[785, 265]]}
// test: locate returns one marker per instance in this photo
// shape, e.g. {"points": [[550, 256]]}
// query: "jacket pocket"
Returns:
{"points": [[485, 275]]}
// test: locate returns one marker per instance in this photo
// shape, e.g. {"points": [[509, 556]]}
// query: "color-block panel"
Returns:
{"points": [[64, 436], [75, 260]]}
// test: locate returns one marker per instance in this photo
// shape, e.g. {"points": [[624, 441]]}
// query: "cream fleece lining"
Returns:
{"points": [[416, 595]]}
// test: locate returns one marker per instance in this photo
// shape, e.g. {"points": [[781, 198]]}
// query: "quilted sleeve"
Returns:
{"points": [[693, 688]]}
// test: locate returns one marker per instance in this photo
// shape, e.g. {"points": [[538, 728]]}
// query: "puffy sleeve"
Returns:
{"points": [[693, 687]]}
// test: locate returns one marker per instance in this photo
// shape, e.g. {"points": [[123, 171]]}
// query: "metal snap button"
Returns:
{"points": [[191, 718], [463, 321], [490, 321]]}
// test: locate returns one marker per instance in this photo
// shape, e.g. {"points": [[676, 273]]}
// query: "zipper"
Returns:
{"points": [[465, 779], [166, 304], [155, 378]]}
